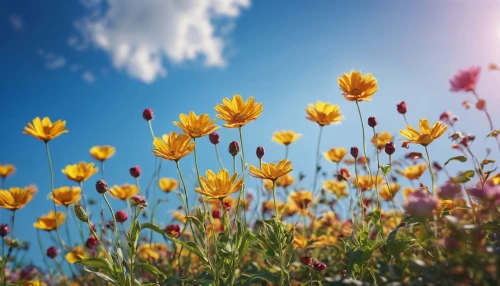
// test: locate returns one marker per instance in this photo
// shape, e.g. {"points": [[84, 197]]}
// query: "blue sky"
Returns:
{"points": [[285, 55]]}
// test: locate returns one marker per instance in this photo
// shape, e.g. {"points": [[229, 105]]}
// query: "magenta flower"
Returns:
{"points": [[465, 80], [449, 190], [420, 205]]}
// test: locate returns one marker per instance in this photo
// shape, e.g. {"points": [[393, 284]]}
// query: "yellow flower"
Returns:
{"points": [[300, 241], [337, 188], [44, 129], [219, 186], [335, 155], [271, 171], [78, 253], [123, 192], [149, 251], [413, 172], [15, 198], [80, 172], [173, 147], [102, 153], [285, 181], [65, 196], [324, 113], [268, 185], [388, 194], [33, 283], [300, 200], [407, 191], [366, 183], [48, 222], [446, 205], [168, 184], [179, 216], [237, 112], [326, 220], [357, 87], [381, 139], [286, 138], [269, 206], [426, 134], [215, 204], [196, 126], [6, 170], [495, 179]]}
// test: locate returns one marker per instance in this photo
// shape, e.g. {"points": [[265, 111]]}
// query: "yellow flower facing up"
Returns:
{"points": [[173, 146], [335, 155], [168, 184], [381, 139], [286, 138], [76, 254], [220, 185], [413, 172], [15, 198], [285, 181], [271, 171], [337, 188], [48, 222], [237, 112], [357, 87], [6, 170], [102, 153], [65, 196], [44, 129], [123, 192], [366, 183], [80, 172], [324, 113], [301, 200], [196, 126], [426, 134], [388, 194]]}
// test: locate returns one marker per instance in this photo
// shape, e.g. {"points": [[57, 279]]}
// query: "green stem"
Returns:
{"points": [[218, 157], [242, 193], [102, 170], [44, 258], [9, 252], [187, 198], [151, 129], [118, 244], [360, 198], [316, 165], [364, 142], [67, 227], [376, 182], [61, 243], [404, 116], [429, 165]]}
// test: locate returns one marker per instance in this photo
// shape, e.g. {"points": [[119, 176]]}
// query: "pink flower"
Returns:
{"points": [[449, 190], [465, 80], [420, 205]]}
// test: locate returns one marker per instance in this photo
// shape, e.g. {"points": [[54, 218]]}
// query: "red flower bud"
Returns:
{"points": [[121, 216], [318, 266], [234, 148], [354, 152], [173, 230], [214, 138], [402, 107], [372, 121], [4, 230], [52, 252], [91, 242], [135, 171], [259, 152], [216, 214], [101, 186], [147, 114], [306, 260], [390, 148]]}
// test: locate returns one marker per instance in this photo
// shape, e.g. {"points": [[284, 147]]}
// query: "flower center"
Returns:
{"points": [[239, 117], [355, 91]]}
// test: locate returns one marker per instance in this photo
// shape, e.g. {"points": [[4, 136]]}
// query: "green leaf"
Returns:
{"points": [[487, 161], [398, 245], [359, 257], [469, 174], [103, 276], [463, 177], [152, 270], [261, 276], [100, 263], [385, 169], [462, 159]]}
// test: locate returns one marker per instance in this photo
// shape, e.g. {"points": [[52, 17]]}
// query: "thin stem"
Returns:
{"points": [[274, 200], [9, 252], [67, 227], [376, 181], [61, 243], [404, 116], [114, 220], [102, 170], [187, 198], [151, 129], [316, 165], [218, 157], [83, 197], [242, 193], [489, 118], [364, 142], [360, 198], [40, 245], [429, 165]]}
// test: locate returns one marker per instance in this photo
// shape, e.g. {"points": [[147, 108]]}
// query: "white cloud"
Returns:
{"points": [[139, 35], [52, 61], [89, 77], [16, 22]]}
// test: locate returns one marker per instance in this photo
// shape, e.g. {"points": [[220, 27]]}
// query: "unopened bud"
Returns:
{"points": [[135, 171], [259, 152], [147, 114], [354, 152], [402, 107], [372, 121], [214, 138], [390, 148], [234, 148], [80, 212], [101, 186]]}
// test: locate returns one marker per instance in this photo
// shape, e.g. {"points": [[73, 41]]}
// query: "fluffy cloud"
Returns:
{"points": [[88, 77], [140, 35]]}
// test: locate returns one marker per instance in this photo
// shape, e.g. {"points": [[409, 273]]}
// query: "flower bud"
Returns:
{"points": [[214, 138], [52, 252], [147, 114], [135, 171], [318, 266], [216, 214], [480, 104], [121, 216], [306, 260], [92, 226], [259, 152], [234, 148], [402, 107], [101, 186], [390, 148], [139, 201], [91, 242], [4, 230], [80, 212], [173, 230], [354, 152], [372, 121]]}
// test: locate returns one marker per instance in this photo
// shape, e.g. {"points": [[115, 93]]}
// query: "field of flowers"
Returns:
{"points": [[446, 232]]}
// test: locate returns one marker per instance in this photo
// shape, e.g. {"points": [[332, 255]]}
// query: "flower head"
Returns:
{"points": [[271, 171], [285, 181], [147, 114], [465, 80], [220, 185], [214, 138], [426, 134], [80, 172], [337, 188], [6, 170], [168, 184], [101, 186], [123, 192], [380, 139], [4, 230], [357, 87], [449, 190], [121, 216], [335, 155], [300, 200], [15, 198], [173, 146], [135, 171], [76, 254], [102, 153], [420, 205], [65, 196], [52, 252], [387, 193], [44, 129], [150, 251], [413, 172], [50, 221], [196, 125], [366, 183], [286, 138], [324, 113], [259, 152], [237, 112]]}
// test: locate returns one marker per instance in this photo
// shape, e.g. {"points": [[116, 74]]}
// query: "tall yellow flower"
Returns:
{"points": [[76, 254], [300, 200], [337, 188], [48, 222], [123, 192], [168, 184], [285, 181], [219, 186], [324, 113], [388, 194], [381, 139], [15, 198], [65, 196], [44, 129], [286, 138], [80, 172], [237, 112], [271, 171], [357, 87], [173, 146], [6, 170], [102, 153], [335, 155], [426, 134], [413, 172], [196, 125]]}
